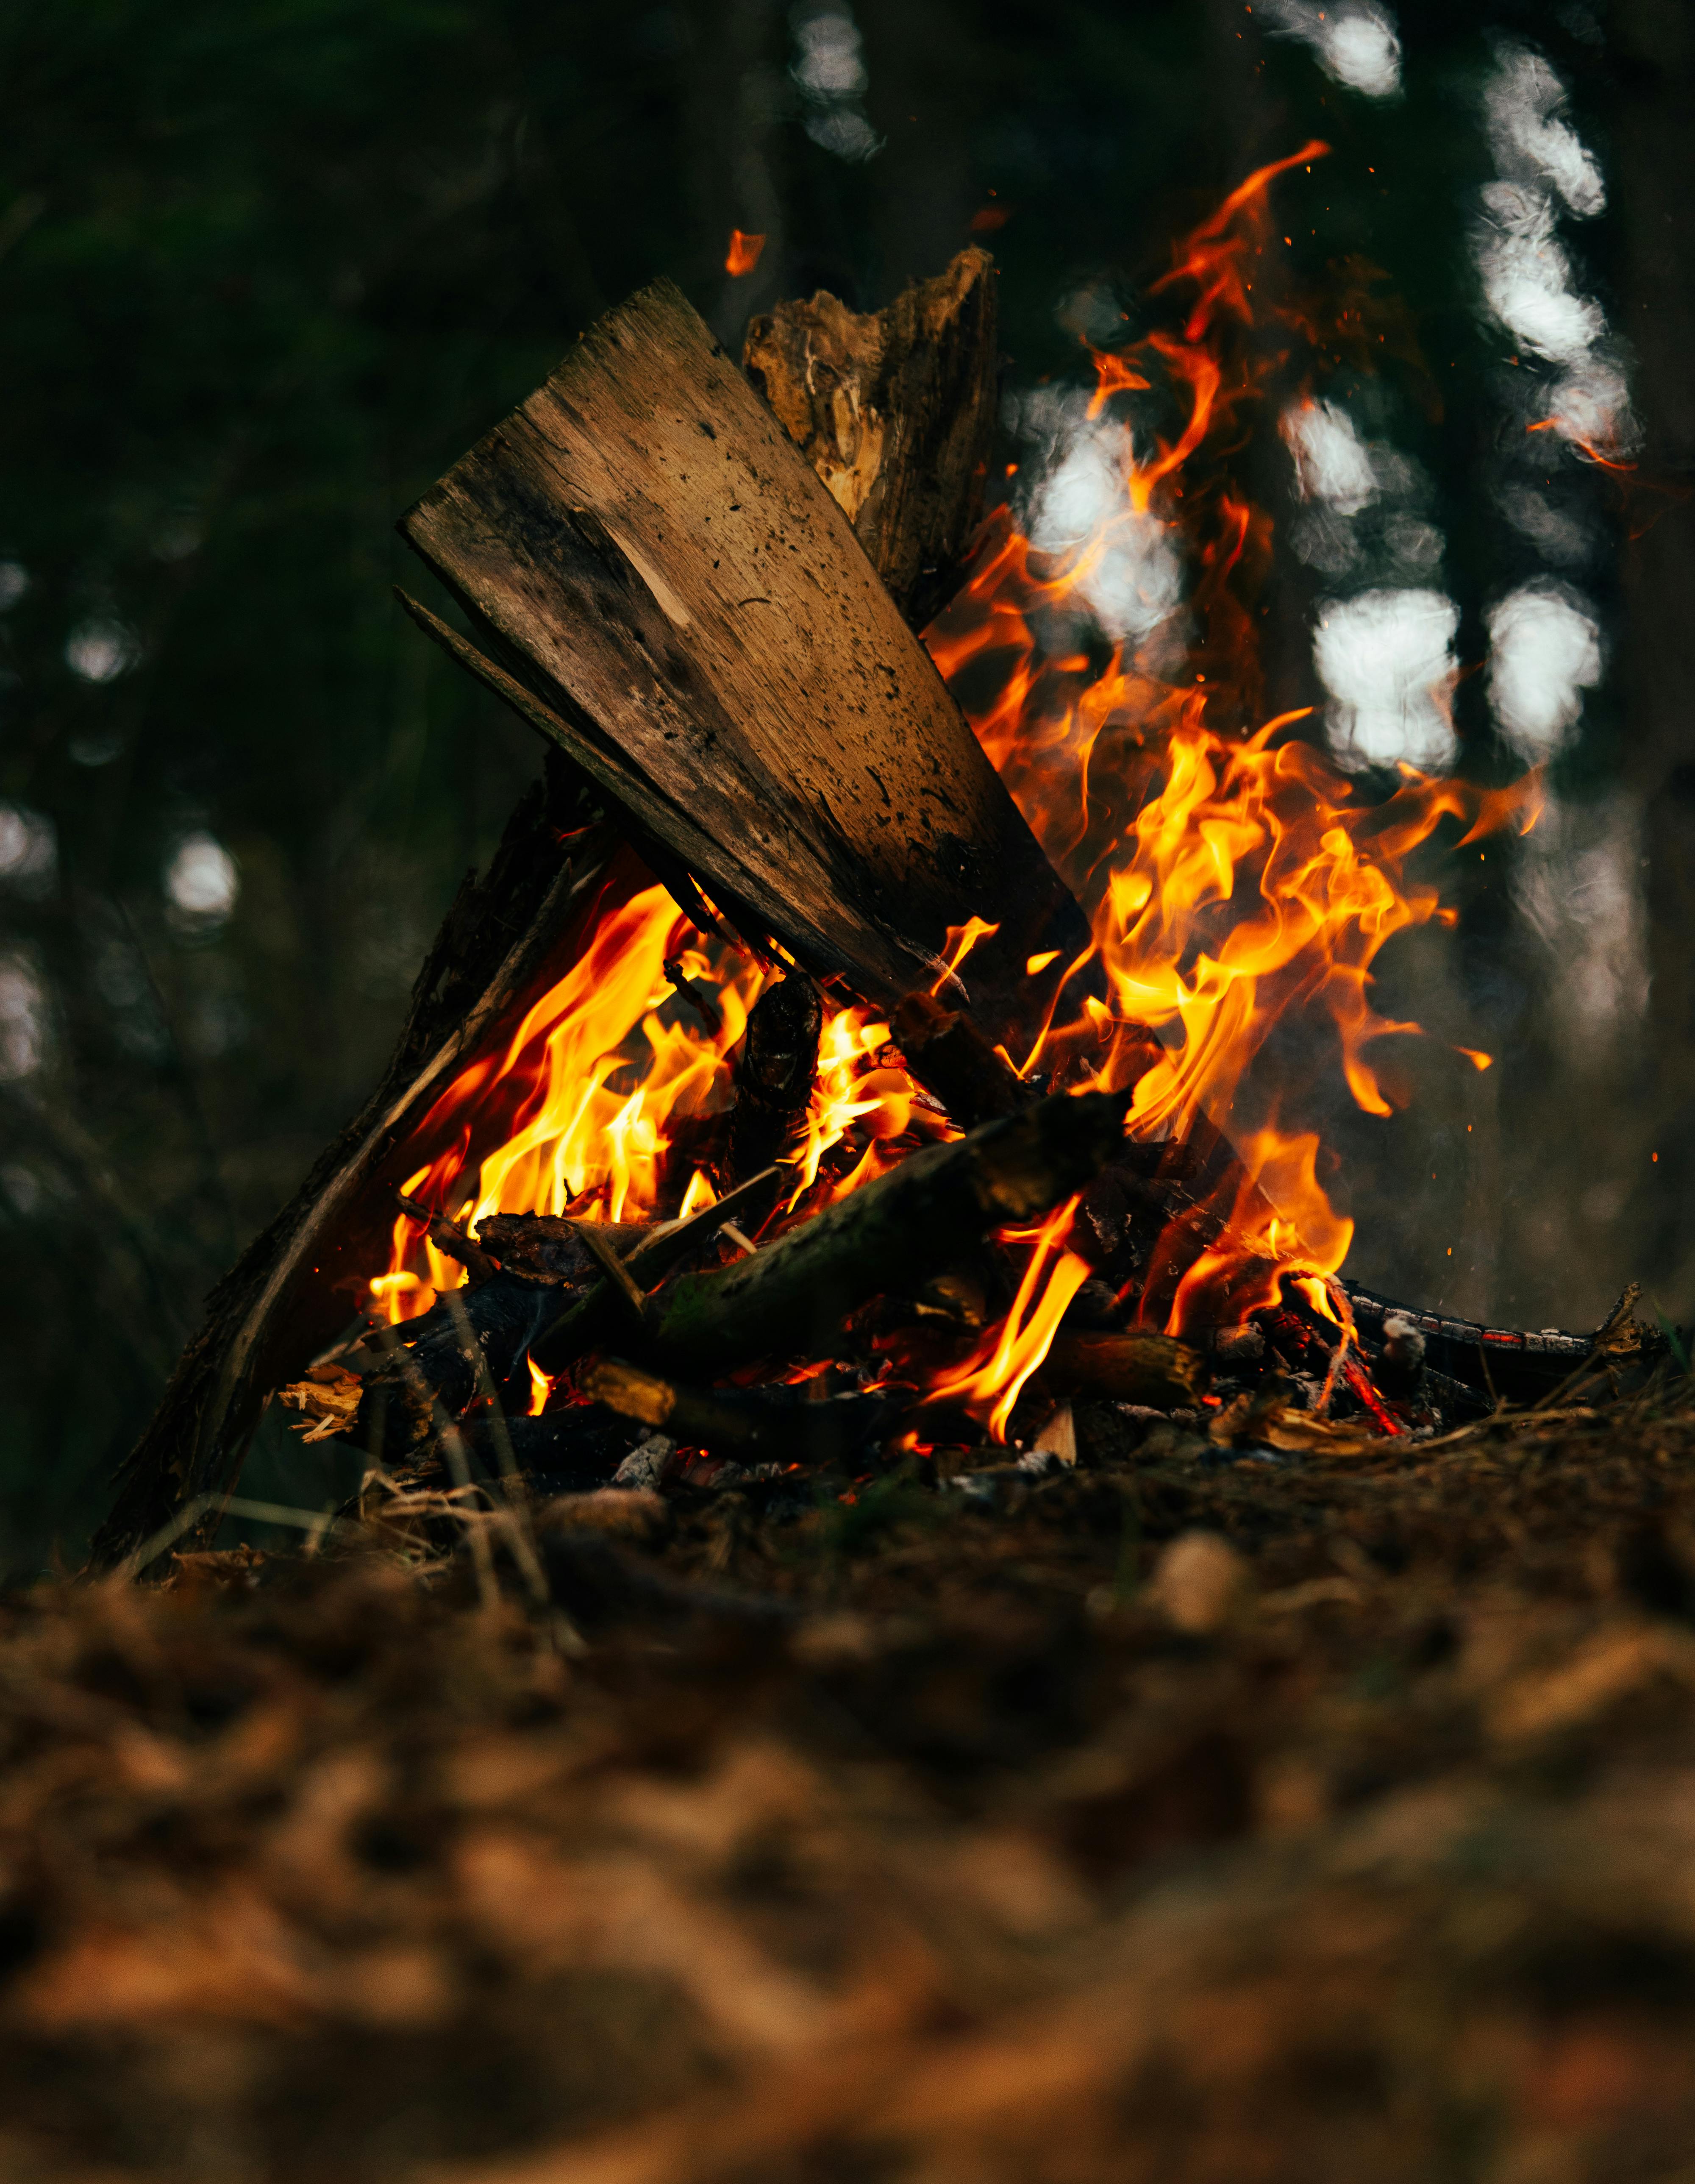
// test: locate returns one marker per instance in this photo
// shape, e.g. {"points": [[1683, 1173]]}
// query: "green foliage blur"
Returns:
{"points": [[267, 270]]}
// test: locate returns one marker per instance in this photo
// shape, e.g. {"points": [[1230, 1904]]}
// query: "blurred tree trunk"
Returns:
{"points": [[1654, 150]]}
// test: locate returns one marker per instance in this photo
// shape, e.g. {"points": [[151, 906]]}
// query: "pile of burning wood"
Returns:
{"points": [[910, 1162]]}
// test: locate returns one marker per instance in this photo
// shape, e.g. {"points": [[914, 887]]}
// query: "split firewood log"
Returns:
{"points": [[658, 580]]}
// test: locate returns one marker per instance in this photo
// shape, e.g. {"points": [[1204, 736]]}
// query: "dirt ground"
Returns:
{"points": [[1173, 1817]]}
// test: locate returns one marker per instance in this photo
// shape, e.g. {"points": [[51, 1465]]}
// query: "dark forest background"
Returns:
{"points": [[266, 270]]}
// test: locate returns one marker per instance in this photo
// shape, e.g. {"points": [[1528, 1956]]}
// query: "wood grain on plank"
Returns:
{"points": [[655, 561]]}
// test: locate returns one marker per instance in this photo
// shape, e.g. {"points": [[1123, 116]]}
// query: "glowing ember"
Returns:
{"points": [[743, 255]]}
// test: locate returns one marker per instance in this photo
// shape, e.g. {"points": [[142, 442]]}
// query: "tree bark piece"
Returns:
{"points": [[648, 556], [791, 1298], [895, 412]]}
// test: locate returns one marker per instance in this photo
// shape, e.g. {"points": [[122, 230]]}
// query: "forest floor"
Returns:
{"points": [[1029, 1840]]}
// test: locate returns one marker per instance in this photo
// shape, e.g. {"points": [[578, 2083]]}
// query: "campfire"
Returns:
{"points": [[849, 1062]]}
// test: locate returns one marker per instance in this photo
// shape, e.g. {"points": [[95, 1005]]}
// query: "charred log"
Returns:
{"points": [[773, 1072], [947, 1055], [1523, 1366], [779, 1424], [931, 1212]]}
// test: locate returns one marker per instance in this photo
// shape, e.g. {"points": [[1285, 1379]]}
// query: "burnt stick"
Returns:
{"points": [[596, 1315], [935, 1209], [447, 1236]]}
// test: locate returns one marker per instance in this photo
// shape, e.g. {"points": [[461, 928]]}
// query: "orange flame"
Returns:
{"points": [[1234, 877], [598, 1073], [858, 1097], [1234, 880], [743, 254], [994, 1378]]}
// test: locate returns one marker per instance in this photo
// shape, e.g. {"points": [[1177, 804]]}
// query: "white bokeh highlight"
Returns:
{"points": [[101, 649], [201, 882], [1544, 653], [1355, 44], [23, 1019], [1530, 141], [1332, 463], [1387, 659], [29, 849], [829, 69], [1546, 171]]}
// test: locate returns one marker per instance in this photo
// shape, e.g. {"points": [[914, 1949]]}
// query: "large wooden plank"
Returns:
{"points": [[649, 555]]}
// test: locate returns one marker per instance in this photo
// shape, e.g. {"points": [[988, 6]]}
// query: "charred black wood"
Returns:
{"points": [[929, 1213], [435, 1361], [1295, 1341], [780, 1424], [773, 1071], [549, 1247], [949, 1057], [1523, 1366], [564, 1452], [597, 1315], [447, 1236]]}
